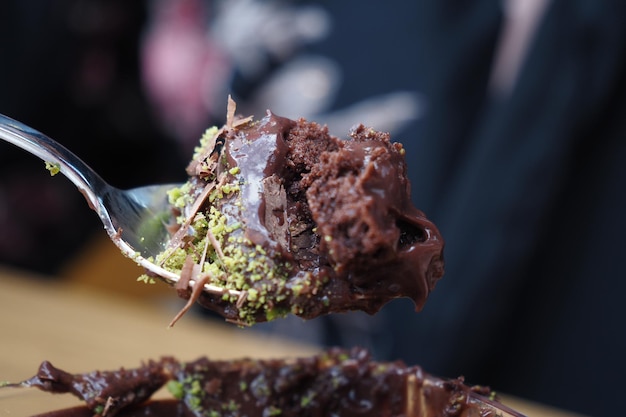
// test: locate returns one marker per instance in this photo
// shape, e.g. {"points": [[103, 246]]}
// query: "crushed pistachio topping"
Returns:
{"points": [[146, 279], [272, 411], [176, 388], [242, 265], [189, 390], [307, 399], [53, 167], [206, 141]]}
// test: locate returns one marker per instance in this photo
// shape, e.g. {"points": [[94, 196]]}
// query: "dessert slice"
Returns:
{"points": [[289, 219], [336, 382]]}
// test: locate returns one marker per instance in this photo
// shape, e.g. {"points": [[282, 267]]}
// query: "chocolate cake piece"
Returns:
{"points": [[336, 382], [295, 220]]}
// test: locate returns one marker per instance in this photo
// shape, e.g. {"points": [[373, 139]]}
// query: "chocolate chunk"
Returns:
{"points": [[299, 221]]}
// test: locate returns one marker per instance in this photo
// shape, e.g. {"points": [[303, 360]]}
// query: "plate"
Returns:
{"points": [[32, 402]]}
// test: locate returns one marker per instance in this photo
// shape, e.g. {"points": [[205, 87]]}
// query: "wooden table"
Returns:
{"points": [[80, 329]]}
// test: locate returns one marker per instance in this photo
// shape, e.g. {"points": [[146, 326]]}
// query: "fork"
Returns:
{"points": [[134, 219]]}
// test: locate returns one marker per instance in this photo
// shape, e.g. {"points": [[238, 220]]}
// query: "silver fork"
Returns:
{"points": [[135, 219]]}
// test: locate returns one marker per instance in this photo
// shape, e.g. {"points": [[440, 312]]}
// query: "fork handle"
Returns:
{"points": [[48, 150]]}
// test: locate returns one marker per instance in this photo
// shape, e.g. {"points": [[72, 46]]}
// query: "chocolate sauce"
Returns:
{"points": [[259, 151]]}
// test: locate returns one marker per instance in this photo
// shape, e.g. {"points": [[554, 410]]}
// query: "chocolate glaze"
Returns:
{"points": [[259, 150], [336, 382], [334, 215]]}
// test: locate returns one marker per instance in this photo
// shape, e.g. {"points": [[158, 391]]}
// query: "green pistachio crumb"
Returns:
{"points": [[253, 294], [297, 289], [307, 399], [205, 140], [274, 313], [380, 369], [231, 406], [53, 167], [195, 403], [196, 387], [176, 389], [146, 279], [272, 411]]}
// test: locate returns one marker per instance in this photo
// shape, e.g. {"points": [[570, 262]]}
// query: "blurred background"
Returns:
{"points": [[513, 115]]}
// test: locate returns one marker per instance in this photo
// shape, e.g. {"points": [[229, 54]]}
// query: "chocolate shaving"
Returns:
{"points": [[242, 121], [230, 112], [207, 157], [186, 275], [195, 294]]}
